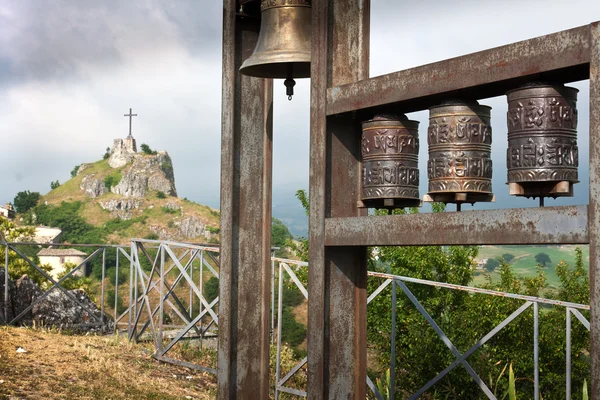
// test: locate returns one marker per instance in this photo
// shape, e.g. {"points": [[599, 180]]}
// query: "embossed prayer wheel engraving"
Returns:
{"points": [[542, 156], [460, 142], [390, 151]]}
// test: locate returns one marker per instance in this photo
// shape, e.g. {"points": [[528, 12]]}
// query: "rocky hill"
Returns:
{"points": [[137, 187]]}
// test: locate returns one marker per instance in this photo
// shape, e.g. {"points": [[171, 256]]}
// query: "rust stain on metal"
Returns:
{"points": [[476, 75]]}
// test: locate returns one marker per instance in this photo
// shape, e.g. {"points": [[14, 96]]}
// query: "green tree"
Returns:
{"points": [[25, 201], [18, 266], [54, 184], [508, 257], [491, 264], [147, 150], [280, 235], [106, 154], [74, 171], [543, 259]]}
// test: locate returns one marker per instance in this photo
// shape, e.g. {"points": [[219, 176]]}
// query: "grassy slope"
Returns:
{"points": [[91, 367], [151, 208], [524, 263]]}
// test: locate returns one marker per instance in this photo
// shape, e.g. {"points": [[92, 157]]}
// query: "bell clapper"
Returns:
{"points": [[290, 82], [289, 85]]}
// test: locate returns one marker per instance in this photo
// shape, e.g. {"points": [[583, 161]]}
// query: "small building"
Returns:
{"points": [[57, 258], [46, 234], [8, 211]]}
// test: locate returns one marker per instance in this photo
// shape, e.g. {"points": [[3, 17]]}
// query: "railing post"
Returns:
{"points": [[568, 378], [272, 298], [536, 373], [103, 285], [131, 300], [393, 349], [116, 287], [6, 280], [279, 325], [161, 303]]}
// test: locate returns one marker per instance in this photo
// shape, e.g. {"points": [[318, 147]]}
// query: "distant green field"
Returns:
{"points": [[524, 263]]}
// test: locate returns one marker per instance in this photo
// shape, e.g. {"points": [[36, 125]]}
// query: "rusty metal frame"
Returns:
{"points": [[336, 228], [342, 94], [246, 175]]}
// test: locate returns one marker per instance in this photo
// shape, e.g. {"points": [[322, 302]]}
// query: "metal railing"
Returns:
{"points": [[162, 272], [171, 275], [99, 251]]}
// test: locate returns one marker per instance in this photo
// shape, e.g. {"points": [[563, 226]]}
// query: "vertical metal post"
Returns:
{"points": [[594, 209], [201, 282], [568, 383], [102, 295], [116, 287], [131, 301], [161, 304], [191, 310], [393, 349], [136, 260], [272, 298], [6, 283], [279, 325], [337, 279], [536, 372], [246, 171]]}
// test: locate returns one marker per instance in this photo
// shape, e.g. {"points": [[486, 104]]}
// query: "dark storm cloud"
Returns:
{"points": [[61, 39]]}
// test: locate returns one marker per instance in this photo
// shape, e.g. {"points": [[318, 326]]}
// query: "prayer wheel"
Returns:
{"points": [[460, 143], [390, 173], [542, 156]]}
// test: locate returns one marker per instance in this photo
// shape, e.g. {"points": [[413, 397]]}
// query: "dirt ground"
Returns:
{"points": [[61, 366]]}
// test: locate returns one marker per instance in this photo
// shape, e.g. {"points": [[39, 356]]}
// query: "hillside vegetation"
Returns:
{"points": [[156, 215], [524, 263]]}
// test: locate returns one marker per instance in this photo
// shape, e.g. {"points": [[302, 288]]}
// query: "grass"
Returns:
{"points": [[91, 367], [524, 264]]}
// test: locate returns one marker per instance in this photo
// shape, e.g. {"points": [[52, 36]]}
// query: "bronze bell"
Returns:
{"points": [[283, 47], [460, 144], [542, 156], [390, 173]]}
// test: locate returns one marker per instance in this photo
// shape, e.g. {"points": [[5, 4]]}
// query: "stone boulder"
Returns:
{"points": [[7, 312], [57, 309], [26, 292], [93, 187], [192, 227], [121, 208]]}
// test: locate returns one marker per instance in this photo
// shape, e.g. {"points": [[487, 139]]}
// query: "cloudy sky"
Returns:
{"points": [[70, 69]]}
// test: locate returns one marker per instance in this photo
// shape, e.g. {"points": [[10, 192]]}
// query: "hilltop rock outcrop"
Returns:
{"points": [[92, 186], [148, 172]]}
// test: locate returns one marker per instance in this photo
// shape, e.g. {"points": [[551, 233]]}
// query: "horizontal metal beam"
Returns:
{"points": [[546, 225], [563, 57]]}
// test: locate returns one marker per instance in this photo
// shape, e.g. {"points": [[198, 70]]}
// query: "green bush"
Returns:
{"points": [[161, 195], [152, 236], [211, 289], [213, 230], [74, 171], [169, 210], [147, 150], [54, 184], [112, 180]]}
